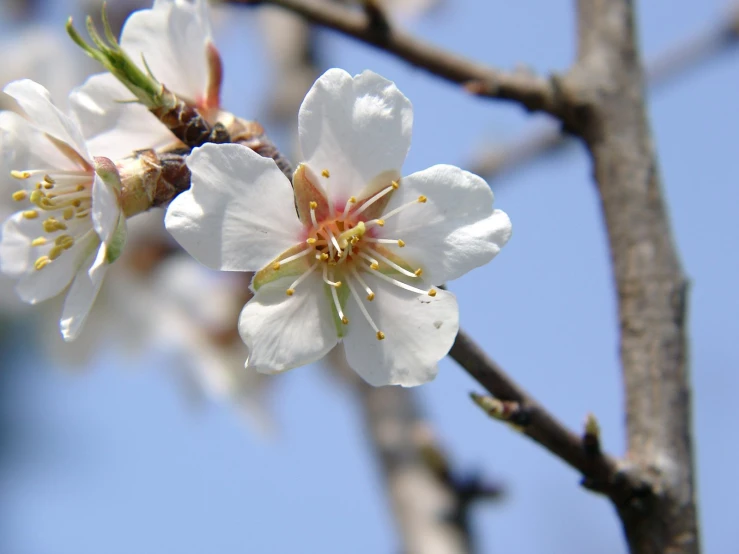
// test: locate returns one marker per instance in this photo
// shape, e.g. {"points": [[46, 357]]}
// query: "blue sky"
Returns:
{"points": [[115, 460]]}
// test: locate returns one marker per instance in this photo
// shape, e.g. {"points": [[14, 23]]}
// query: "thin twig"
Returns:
{"points": [[548, 138], [601, 472], [534, 92]]}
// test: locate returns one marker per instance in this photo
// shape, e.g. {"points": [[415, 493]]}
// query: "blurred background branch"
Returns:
{"points": [[676, 62]]}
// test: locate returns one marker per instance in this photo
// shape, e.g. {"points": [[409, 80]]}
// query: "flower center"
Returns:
{"points": [[65, 197], [352, 253]]}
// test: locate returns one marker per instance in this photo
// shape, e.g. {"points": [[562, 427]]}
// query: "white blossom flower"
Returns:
{"points": [[73, 226], [172, 39], [359, 260]]}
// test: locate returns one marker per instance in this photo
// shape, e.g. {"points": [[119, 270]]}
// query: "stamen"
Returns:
{"points": [[55, 252], [292, 258], [20, 174], [403, 285], [311, 241], [30, 214], [20, 195], [42, 262], [51, 225], [376, 197], [337, 305], [291, 290], [334, 242], [392, 264], [397, 242], [326, 173], [374, 264], [335, 284], [380, 222], [370, 294], [313, 205], [380, 335], [420, 200], [349, 203], [40, 241]]}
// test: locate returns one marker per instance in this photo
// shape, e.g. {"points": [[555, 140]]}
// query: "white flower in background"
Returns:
{"points": [[72, 226], [173, 39], [359, 260], [195, 324]]}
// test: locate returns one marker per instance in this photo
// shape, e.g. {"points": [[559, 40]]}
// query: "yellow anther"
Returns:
{"points": [[38, 242], [344, 320], [20, 174], [310, 240], [276, 266], [401, 243], [324, 257], [80, 188], [77, 203], [55, 252], [371, 296], [65, 241], [290, 292], [42, 262], [47, 185], [380, 335], [353, 199], [422, 199], [432, 293], [36, 196], [374, 265], [325, 173], [313, 205], [30, 214], [20, 195], [68, 213], [337, 284], [381, 222], [395, 184], [51, 225], [418, 272]]}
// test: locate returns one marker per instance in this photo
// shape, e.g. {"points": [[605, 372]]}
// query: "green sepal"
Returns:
{"points": [[110, 55], [114, 248]]}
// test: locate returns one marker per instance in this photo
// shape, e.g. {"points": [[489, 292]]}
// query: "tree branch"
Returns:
{"points": [[675, 62], [652, 289], [601, 472], [531, 91]]}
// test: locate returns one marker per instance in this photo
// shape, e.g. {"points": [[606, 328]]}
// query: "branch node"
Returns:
{"points": [[591, 437], [507, 411]]}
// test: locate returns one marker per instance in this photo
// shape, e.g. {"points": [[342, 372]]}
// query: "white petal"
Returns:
{"points": [[80, 299], [455, 230], [39, 285], [283, 332], [105, 209], [15, 245], [419, 331], [354, 127], [172, 37], [24, 146], [115, 128], [239, 213], [36, 102]]}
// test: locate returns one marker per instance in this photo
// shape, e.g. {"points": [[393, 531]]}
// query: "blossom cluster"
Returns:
{"points": [[348, 250]]}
